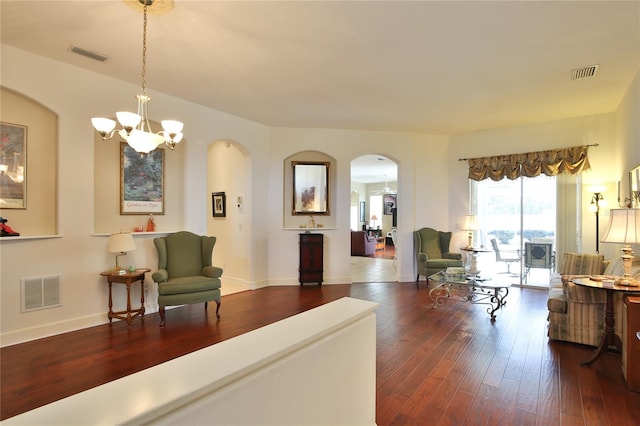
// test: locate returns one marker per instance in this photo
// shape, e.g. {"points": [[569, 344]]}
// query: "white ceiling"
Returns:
{"points": [[417, 66]]}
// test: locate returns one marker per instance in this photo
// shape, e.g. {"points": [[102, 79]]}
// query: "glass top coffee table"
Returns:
{"points": [[470, 288]]}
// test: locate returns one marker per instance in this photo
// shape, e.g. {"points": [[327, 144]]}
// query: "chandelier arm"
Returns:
{"points": [[108, 135]]}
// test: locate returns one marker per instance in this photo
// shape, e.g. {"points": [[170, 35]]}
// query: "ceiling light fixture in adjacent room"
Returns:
{"points": [[136, 130]]}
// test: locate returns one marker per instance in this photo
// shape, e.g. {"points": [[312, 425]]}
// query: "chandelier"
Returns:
{"points": [[136, 130]]}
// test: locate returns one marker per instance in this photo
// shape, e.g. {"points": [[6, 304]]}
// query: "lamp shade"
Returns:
{"points": [[469, 223], [121, 243], [624, 227], [374, 217]]}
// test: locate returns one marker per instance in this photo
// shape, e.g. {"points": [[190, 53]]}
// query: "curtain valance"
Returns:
{"points": [[531, 164]]}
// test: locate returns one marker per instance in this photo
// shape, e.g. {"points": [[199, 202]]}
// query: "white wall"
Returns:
{"points": [[605, 168], [344, 146], [77, 95], [432, 188], [628, 128]]}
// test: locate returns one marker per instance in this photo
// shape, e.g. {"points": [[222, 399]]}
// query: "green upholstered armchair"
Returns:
{"points": [[432, 252], [185, 274]]}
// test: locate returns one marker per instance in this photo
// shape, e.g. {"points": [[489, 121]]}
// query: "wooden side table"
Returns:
{"points": [[127, 279], [609, 339]]}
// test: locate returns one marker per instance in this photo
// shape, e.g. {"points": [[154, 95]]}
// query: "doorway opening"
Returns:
{"points": [[373, 217]]}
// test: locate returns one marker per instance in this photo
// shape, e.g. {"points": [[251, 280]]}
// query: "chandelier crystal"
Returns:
{"points": [[136, 130]]}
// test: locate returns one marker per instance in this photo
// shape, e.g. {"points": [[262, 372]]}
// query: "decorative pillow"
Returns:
{"points": [[582, 264]]}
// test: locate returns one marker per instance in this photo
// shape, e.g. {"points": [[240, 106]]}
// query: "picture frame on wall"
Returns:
{"points": [[219, 202], [141, 181], [389, 203], [13, 166], [310, 188], [634, 186]]}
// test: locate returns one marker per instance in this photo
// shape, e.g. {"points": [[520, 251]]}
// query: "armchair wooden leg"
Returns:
{"points": [[218, 303], [161, 310]]}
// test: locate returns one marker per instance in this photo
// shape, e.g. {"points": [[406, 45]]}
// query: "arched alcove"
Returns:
{"points": [[37, 213], [291, 220], [229, 173], [108, 163]]}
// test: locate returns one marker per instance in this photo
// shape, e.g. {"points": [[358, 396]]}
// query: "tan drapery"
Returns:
{"points": [[531, 164]]}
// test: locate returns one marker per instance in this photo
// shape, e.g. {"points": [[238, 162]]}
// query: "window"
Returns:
{"points": [[516, 211]]}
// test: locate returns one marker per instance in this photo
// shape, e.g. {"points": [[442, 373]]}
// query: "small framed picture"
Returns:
{"points": [[389, 201], [219, 200]]}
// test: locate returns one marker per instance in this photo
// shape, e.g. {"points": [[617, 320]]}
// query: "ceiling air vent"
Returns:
{"points": [[88, 54], [584, 72]]}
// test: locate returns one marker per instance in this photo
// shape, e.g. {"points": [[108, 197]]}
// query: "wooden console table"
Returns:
{"points": [[311, 258], [127, 279]]}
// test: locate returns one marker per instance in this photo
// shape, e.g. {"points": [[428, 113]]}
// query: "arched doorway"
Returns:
{"points": [[374, 211]]}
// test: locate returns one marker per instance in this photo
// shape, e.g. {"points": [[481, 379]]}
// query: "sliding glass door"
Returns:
{"points": [[517, 221]]}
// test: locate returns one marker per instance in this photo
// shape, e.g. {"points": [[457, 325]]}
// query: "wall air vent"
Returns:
{"points": [[40, 292], [88, 54], [584, 72]]}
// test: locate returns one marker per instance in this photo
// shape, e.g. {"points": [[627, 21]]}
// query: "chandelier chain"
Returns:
{"points": [[144, 52], [136, 130]]}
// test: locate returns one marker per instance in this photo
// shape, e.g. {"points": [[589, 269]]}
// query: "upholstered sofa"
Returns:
{"points": [[576, 313], [362, 244]]}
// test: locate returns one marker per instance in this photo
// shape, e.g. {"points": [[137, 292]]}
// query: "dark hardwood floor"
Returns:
{"points": [[449, 365]]}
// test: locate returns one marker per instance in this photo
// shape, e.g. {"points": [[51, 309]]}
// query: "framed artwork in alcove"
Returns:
{"points": [[13, 166], [310, 188], [141, 181]]}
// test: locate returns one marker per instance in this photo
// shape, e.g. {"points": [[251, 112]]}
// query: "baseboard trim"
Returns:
{"points": [[51, 329]]}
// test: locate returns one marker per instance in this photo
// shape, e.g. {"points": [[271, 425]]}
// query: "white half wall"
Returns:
{"points": [[315, 368]]}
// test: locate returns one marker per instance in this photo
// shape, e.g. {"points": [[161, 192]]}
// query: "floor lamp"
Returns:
{"points": [[596, 201]]}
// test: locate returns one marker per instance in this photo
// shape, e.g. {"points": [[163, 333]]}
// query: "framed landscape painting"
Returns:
{"points": [[141, 181], [13, 166]]}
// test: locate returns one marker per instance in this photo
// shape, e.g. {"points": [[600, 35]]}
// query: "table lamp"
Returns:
{"points": [[373, 219], [470, 226], [120, 243], [624, 228]]}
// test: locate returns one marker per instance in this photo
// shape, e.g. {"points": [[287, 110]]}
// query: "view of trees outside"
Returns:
{"points": [[514, 212]]}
